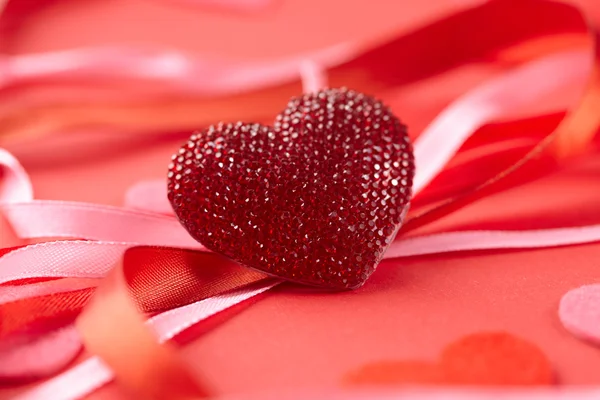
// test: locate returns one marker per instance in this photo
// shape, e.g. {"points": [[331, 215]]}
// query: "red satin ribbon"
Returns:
{"points": [[166, 377], [159, 279]]}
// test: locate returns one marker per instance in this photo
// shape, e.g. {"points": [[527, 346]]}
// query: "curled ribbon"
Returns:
{"points": [[151, 250]]}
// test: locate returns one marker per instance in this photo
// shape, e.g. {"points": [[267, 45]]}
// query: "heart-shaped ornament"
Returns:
{"points": [[317, 198]]}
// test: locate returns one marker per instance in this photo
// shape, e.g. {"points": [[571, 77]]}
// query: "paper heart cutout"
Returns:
{"points": [[495, 358], [315, 199], [579, 312]]}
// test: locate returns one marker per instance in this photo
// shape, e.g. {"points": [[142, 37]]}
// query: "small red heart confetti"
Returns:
{"points": [[396, 373], [317, 198], [482, 359], [495, 358]]}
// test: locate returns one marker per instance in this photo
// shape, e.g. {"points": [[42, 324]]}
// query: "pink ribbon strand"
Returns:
{"points": [[15, 185]]}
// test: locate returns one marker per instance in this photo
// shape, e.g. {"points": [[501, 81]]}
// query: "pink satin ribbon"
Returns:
{"points": [[493, 100], [49, 218], [158, 71], [15, 185], [110, 230]]}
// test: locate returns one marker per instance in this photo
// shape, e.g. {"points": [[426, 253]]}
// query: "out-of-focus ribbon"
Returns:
{"points": [[230, 5], [201, 91], [15, 186], [175, 277]]}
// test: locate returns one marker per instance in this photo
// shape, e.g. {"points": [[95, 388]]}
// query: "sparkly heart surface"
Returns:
{"points": [[316, 198]]}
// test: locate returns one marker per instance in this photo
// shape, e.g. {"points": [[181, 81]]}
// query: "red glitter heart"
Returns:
{"points": [[315, 199]]}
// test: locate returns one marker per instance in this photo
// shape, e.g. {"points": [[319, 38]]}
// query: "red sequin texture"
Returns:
{"points": [[315, 199]]}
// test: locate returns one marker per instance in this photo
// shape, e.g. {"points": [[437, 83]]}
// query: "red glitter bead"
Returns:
{"points": [[316, 198]]}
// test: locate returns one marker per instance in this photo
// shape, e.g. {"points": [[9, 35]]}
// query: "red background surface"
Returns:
{"points": [[410, 308]]}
